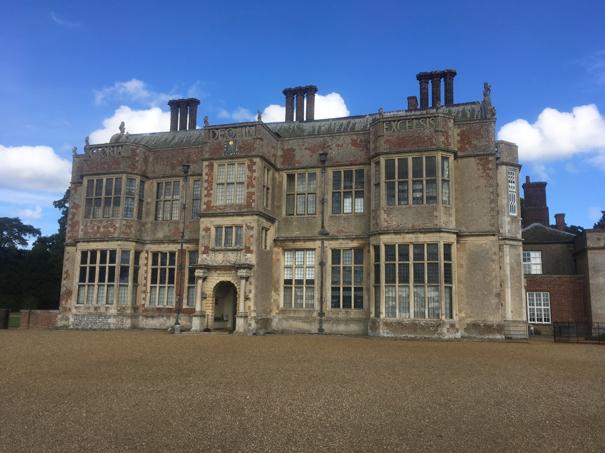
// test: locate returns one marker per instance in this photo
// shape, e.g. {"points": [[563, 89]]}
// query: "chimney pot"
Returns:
{"points": [[412, 103], [560, 221], [289, 94], [183, 114]]}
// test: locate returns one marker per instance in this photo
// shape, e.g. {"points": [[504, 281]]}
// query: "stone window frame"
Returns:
{"points": [[192, 260], [538, 303], [162, 282], [163, 199], [381, 287], [264, 238], [338, 272], [196, 197], [267, 184], [119, 290], [306, 286], [294, 193], [222, 183], [118, 205], [511, 179], [532, 262], [408, 179], [220, 242], [354, 190]]}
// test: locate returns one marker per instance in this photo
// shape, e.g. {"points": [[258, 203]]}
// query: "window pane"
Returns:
{"points": [[389, 169], [336, 180], [417, 170], [402, 168], [348, 179], [431, 166]]}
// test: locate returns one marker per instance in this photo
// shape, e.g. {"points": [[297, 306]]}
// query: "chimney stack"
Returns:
{"points": [[435, 78], [296, 97], [412, 103], [183, 114], [560, 221], [535, 209]]}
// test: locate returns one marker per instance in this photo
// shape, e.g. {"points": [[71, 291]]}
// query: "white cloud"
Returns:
{"points": [[558, 135], [595, 66], [60, 21], [33, 168], [331, 105], [132, 90], [27, 213], [240, 114], [598, 160], [136, 121]]}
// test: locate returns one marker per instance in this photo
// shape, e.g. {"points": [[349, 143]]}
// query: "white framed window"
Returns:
{"points": [[192, 261], [347, 278], [511, 176], [162, 281], [538, 307], [267, 176], [104, 277], [301, 193], [230, 183], [226, 237], [413, 287], [109, 198], [167, 200], [348, 191], [532, 262], [414, 180], [196, 199], [299, 279]]}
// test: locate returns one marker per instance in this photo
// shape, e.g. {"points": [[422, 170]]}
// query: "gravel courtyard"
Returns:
{"points": [[151, 391]]}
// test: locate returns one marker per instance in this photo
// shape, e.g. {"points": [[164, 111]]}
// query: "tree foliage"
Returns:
{"points": [[14, 233], [31, 278]]}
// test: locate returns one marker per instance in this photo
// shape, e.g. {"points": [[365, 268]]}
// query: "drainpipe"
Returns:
{"points": [[323, 158], [177, 325]]}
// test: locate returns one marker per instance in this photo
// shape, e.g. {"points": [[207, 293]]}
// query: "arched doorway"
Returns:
{"points": [[225, 306]]}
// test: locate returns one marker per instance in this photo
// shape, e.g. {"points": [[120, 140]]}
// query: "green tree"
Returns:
{"points": [[14, 233], [600, 225]]}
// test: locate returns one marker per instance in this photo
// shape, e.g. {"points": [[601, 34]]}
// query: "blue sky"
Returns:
{"points": [[74, 69]]}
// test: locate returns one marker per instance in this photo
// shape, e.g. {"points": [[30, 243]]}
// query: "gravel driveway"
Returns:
{"points": [[151, 391]]}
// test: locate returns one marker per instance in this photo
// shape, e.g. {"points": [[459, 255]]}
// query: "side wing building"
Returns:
{"points": [[403, 223]]}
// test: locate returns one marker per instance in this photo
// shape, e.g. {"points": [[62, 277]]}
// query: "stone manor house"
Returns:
{"points": [[403, 223]]}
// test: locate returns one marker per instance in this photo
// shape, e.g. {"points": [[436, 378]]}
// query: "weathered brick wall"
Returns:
{"points": [[38, 319], [567, 295]]}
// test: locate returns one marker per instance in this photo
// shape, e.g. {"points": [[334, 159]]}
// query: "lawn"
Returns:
{"points": [[151, 391]]}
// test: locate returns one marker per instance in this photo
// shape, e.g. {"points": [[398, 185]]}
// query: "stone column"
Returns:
{"points": [[241, 324], [174, 115], [300, 104], [424, 90], [311, 90], [448, 86], [198, 316], [183, 116], [436, 90], [289, 93], [193, 103]]}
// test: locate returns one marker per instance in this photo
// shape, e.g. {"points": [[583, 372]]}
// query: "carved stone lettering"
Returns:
{"points": [[391, 127], [232, 132]]}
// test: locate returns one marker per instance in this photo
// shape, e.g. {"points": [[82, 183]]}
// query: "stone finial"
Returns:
{"points": [[380, 112], [487, 93], [259, 116], [122, 128], [74, 151], [206, 122], [87, 141]]}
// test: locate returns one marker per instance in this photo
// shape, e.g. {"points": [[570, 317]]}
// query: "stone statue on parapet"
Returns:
{"points": [[487, 109], [206, 122], [122, 128], [87, 142], [259, 116], [74, 151], [380, 112]]}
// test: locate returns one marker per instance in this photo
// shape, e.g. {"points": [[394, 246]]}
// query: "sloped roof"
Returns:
{"points": [[538, 233]]}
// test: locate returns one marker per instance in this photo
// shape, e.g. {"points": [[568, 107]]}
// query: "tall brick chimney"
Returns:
{"points": [[295, 103], [183, 114], [435, 78], [535, 209], [560, 221]]}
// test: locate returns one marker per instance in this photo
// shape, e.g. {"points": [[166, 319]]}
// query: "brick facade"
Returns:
{"points": [[38, 319]]}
